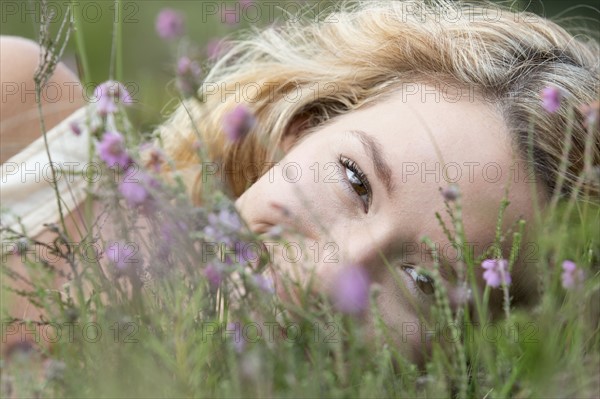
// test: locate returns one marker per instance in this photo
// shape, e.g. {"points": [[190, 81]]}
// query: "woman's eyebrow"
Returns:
{"points": [[373, 149]]}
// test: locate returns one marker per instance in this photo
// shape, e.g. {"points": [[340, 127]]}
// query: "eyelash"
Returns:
{"points": [[347, 163], [426, 281]]}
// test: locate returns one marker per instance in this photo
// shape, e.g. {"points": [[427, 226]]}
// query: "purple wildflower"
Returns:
{"points": [[109, 94], [112, 150], [461, 295], [238, 123], [136, 189], [21, 246], [235, 329], [169, 233], [226, 218], [121, 254], [215, 48], [105, 104], [183, 65], [188, 74], [450, 193], [591, 114], [134, 192], [496, 272], [214, 275], [170, 24], [551, 98], [572, 276], [351, 293], [155, 157], [230, 16], [222, 227], [264, 283], [163, 254], [75, 128], [186, 66]]}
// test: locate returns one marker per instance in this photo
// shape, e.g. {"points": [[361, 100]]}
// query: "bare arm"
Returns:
{"points": [[19, 118], [19, 126]]}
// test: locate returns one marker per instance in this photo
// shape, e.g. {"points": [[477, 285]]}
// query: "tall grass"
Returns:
{"points": [[160, 326]]}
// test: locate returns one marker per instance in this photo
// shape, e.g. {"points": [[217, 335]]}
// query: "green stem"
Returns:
{"points": [[119, 41], [80, 43], [47, 147], [115, 66]]}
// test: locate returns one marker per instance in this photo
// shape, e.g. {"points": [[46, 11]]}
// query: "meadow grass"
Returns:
{"points": [[161, 327]]}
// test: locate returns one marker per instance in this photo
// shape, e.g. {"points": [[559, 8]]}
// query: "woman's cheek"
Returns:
{"points": [[407, 331]]}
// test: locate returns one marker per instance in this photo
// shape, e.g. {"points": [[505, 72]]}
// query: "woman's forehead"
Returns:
{"points": [[423, 126]]}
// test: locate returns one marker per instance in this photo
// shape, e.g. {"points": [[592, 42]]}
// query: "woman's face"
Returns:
{"points": [[366, 186]]}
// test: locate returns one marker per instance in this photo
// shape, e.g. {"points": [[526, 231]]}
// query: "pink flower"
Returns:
{"points": [[170, 24], [591, 114], [156, 157], [223, 227], [230, 16], [551, 98], [121, 254], [572, 276], [170, 232], [234, 330], [185, 66], [227, 219], [351, 290], [21, 246], [109, 94], [496, 272], [264, 283], [111, 149], [135, 188], [188, 74], [214, 275], [215, 48], [450, 193], [462, 295], [74, 126], [238, 123], [134, 192]]}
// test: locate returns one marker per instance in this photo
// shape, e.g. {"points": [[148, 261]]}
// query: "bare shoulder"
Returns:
{"points": [[17, 49], [19, 59]]}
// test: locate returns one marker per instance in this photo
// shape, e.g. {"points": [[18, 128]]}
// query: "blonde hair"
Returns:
{"points": [[365, 50]]}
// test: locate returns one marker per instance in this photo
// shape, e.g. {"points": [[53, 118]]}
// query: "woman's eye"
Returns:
{"points": [[422, 281], [358, 181]]}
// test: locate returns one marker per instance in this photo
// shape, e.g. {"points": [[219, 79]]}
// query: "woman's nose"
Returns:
{"points": [[373, 248], [296, 224]]}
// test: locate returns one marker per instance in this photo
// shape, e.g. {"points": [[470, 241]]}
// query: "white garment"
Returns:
{"points": [[26, 189]]}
